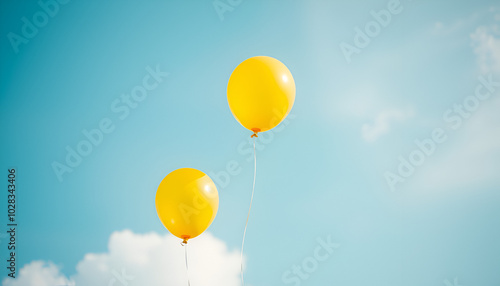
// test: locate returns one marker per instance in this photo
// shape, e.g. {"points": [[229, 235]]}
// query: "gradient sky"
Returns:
{"points": [[321, 175]]}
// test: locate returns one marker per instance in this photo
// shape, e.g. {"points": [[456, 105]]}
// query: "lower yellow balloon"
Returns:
{"points": [[260, 93], [187, 202]]}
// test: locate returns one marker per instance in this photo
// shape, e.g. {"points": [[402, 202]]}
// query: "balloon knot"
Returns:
{"points": [[184, 241], [255, 131]]}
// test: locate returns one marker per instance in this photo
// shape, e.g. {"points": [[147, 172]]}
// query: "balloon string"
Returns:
{"points": [[249, 209], [186, 258]]}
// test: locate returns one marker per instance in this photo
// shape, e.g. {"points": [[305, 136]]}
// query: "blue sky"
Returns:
{"points": [[321, 175]]}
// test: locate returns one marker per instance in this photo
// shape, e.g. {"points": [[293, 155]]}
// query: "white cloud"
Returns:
{"points": [[142, 259], [382, 123]]}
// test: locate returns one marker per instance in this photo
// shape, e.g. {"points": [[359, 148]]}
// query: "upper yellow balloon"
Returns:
{"points": [[260, 93], [187, 202]]}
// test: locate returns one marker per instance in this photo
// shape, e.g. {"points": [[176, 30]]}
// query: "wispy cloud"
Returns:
{"points": [[461, 25], [473, 160], [486, 43], [383, 122]]}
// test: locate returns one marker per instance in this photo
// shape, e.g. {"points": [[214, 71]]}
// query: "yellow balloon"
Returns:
{"points": [[187, 202], [260, 93]]}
